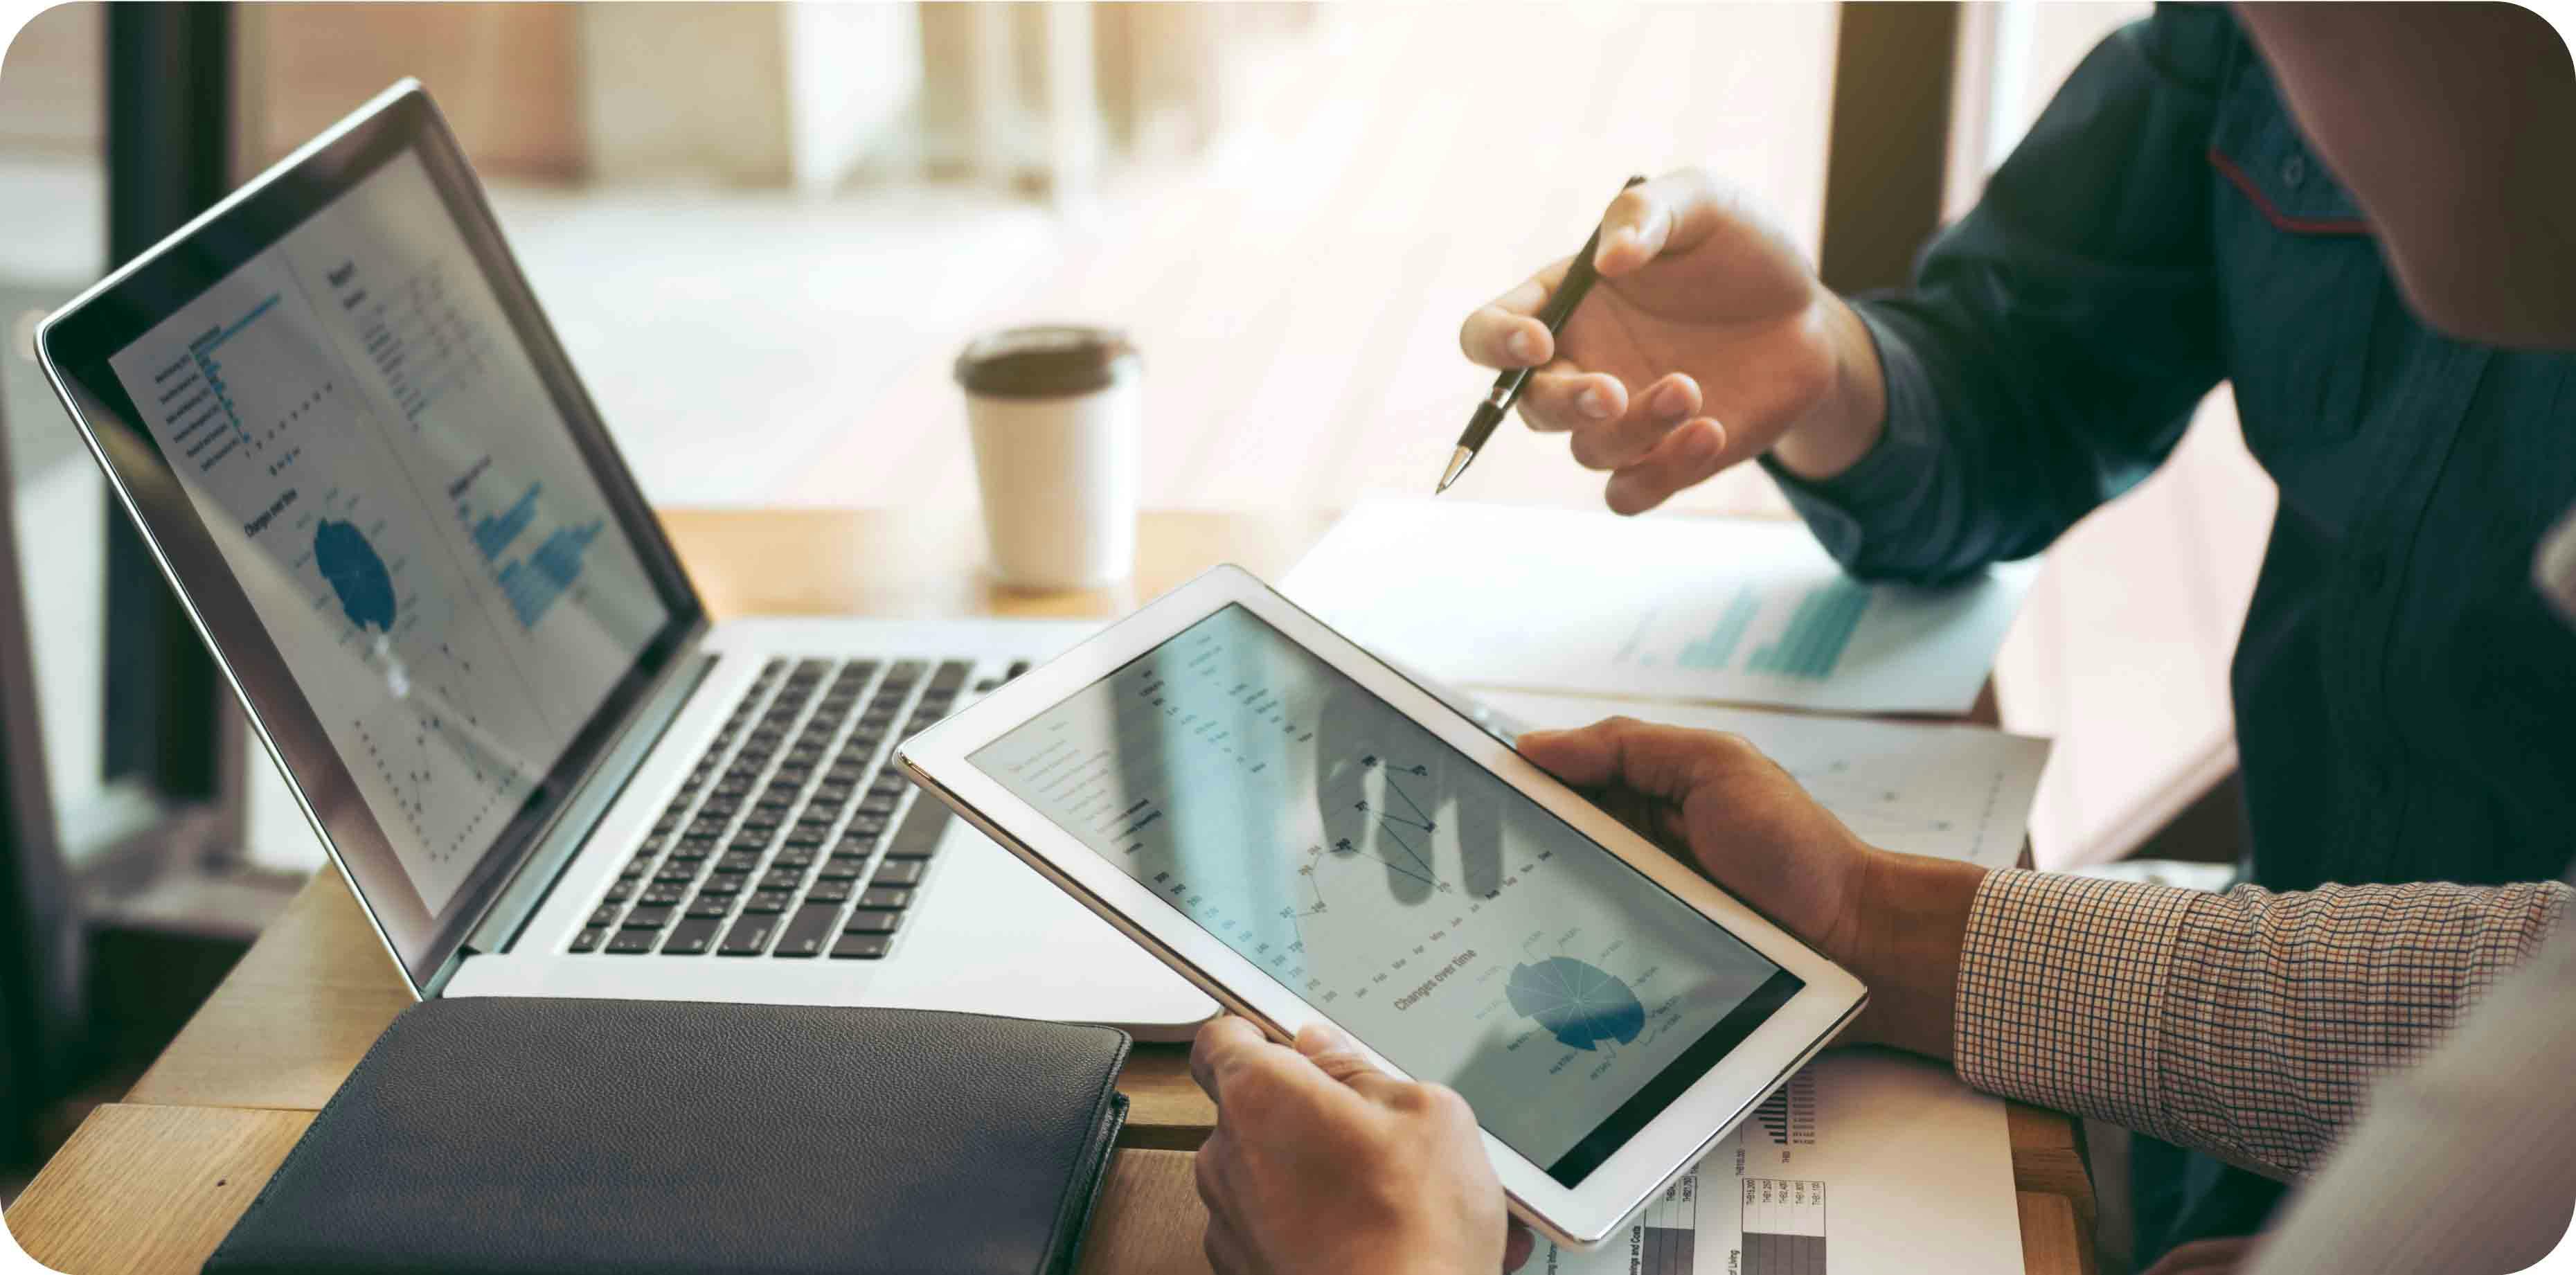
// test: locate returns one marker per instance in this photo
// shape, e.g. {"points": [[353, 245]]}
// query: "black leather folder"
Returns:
{"points": [[513, 1137]]}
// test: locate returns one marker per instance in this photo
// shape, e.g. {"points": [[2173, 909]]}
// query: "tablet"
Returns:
{"points": [[1306, 834]]}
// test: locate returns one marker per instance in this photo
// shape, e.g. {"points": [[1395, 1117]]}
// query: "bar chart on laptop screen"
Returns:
{"points": [[266, 420], [534, 567], [392, 484], [431, 339]]}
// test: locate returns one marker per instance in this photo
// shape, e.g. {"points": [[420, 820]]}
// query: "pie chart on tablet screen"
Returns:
{"points": [[1579, 1003]]}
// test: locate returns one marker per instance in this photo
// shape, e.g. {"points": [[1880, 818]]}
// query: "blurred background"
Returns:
{"points": [[764, 229]]}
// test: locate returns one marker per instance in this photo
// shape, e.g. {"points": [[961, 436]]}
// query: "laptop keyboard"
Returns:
{"points": [[794, 835]]}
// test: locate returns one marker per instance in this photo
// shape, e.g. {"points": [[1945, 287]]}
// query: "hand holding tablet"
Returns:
{"points": [[1322, 1140], [1309, 836], [1715, 800]]}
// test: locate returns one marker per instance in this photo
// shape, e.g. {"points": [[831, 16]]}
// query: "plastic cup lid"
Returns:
{"points": [[1055, 361]]}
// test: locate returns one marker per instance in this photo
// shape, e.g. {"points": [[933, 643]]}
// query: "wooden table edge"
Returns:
{"points": [[152, 1187]]}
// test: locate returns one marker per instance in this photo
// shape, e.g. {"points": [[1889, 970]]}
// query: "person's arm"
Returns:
{"points": [[2240, 1023], [2050, 353], [2057, 339], [2246, 1024], [2465, 1162]]}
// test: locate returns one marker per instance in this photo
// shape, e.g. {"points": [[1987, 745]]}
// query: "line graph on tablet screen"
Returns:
{"points": [[1330, 841], [1378, 873], [1388, 887], [1379, 883]]}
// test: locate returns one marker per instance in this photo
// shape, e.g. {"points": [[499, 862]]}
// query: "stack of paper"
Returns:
{"points": [[1734, 610], [1866, 1161]]}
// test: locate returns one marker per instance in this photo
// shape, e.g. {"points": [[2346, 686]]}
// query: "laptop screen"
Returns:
{"points": [[374, 454]]}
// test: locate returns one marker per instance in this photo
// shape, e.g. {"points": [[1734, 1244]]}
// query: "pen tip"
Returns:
{"points": [[1457, 465]]}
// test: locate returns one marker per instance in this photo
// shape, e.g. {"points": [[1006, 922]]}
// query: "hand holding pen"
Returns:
{"points": [[1566, 294], [1704, 314]]}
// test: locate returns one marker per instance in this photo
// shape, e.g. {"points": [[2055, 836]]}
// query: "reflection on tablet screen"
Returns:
{"points": [[1449, 921]]}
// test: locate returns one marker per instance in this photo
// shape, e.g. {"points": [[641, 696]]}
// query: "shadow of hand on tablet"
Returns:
{"points": [[1399, 805]]}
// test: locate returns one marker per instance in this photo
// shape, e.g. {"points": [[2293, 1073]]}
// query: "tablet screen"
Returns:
{"points": [[1451, 922]]}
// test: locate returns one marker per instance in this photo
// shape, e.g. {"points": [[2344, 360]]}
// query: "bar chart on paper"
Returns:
{"points": [[1788, 1116], [1748, 611], [1819, 631], [1809, 646], [1893, 1166]]}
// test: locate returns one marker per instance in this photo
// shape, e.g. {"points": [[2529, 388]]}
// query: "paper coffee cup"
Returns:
{"points": [[1055, 414]]}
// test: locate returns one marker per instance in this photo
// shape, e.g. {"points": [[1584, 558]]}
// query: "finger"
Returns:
{"points": [[1205, 1176], [1502, 334], [1671, 400], [1653, 818], [1672, 213], [1225, 1249], [1562, 397], [1657, 761], [1210, 1173], [1336, 1055], [1222, 1041], [1518, 1244], [1689, 456], [1231, 1062]]}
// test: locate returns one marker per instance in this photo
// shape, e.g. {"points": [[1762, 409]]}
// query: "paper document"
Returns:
{"points": [[1958, 792], [1866, 1161], [1739, 610]]}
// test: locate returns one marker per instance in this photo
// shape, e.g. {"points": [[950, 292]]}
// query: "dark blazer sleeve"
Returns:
{"points": [[2055, 340]]}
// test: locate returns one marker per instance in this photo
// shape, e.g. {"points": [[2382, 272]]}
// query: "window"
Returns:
{"points": [[763, 231], [1291, 207], [53, 224]]}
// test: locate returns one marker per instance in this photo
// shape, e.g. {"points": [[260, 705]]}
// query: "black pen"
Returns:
{"points": [[1507, 387]]}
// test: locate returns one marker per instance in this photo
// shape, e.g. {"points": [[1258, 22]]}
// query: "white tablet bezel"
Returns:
{"points": [[1581, 1216]]}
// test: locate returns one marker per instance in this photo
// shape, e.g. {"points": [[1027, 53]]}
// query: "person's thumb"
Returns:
{"points": [[1336, 1055], [1667, 214], [1621, 752]]}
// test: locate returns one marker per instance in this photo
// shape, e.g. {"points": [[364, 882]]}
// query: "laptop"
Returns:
{"points": [[343, 423]]}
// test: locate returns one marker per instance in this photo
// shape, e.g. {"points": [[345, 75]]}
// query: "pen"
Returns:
{"points": [[1507, 387]]}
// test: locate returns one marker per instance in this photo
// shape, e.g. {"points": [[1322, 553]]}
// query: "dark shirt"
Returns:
{"points": [[2405, 704]]}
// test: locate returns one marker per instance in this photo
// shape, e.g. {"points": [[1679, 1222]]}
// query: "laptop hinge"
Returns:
{"points": [[527, 890]]}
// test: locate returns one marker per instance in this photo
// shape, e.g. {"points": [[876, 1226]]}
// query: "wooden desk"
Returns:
{"points": [[152, 1183]]}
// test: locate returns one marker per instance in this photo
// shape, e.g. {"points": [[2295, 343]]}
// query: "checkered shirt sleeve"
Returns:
{"points": [[2246, 1023]]}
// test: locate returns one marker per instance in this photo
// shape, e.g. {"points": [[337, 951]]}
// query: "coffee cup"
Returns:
{"points": [[1056, 418]]}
